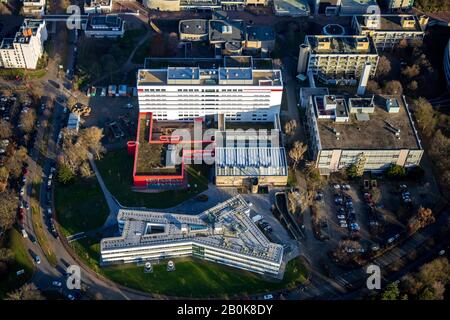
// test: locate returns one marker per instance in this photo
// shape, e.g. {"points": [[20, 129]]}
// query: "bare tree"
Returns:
{"points": [[5, 129], [91, 139], [411, 71], [27, 120], [7, 209], [290, 127], [383, 67], [297, 152], [15, 162], [27, 292], [393, 87], [421, 219]]}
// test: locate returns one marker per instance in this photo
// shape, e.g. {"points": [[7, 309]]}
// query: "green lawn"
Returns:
{"points": [[116, 169], [21, 260], [193, 278], [80, 205]]}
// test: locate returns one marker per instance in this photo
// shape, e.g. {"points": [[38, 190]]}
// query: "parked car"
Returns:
{"points": [[56, 283], [24, 233], [268, 297], [37, 259]]}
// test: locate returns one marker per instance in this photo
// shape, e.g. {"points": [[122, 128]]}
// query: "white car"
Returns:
{"points": [[268, 297], [336, 186], [341, 217], [24, 233], [343, 225], [57, 283]]}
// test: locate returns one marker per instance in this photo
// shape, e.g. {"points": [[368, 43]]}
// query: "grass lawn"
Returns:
{"points": [[21, 260], [193, 278], [80, 205], [116, 169]]}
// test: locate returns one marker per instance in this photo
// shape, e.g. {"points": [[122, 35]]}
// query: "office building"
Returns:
{"points": [[34, 7], [337, 59], [240, 88], [25, 49], [105, 26], [357, 7], [394, 5], [223, 234], [387, 31], [379, 129], [98, 6]]}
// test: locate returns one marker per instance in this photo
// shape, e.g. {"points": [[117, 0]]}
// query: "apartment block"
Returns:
{"points": [[34, 7], [387, 31], [98, 6], [377, 128], [25, 49], [201, 5], [335, 59]]}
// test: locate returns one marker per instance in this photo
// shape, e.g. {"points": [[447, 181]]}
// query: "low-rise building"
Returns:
{"points": [[387, 31], [73, 123], [34, 7], [25, 49], [398, 4], [223, 234], [291, 8], [105, 26], [98, 6], [337, 58], [379, 129], [193, 30], [352, 7]]}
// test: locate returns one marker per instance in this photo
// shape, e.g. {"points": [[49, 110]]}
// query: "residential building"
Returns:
{"points": [[98, 6], [327, 7], [337, 59], [387, 31], [357, 7], [223, 234], [240, 88], [105, 26], [34, 7], [291, 8], [25, 49], [193, 30], [201, 5], [398, 4], [379, 129], [447, 63], [73, 123]]}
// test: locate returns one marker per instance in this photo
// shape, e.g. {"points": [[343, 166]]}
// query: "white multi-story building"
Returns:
{"points": [[25, 49], [224, 234], [239, 90], [388, 30], [34, 7], [379, 129], [98, 6], [399, 4], [336, 58]]}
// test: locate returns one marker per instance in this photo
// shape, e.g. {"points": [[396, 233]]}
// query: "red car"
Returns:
{"points": [[24, 171], [21, 215]]}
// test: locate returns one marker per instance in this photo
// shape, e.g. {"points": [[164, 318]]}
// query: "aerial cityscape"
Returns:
{"points": [[203, 150]]}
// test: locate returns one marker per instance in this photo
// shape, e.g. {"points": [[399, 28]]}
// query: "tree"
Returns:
{"points": [[85, 170], [5, 129], [393, 87], [425, 116], [383, 67], [411, 71], [65, 174], [91, 139], [297, 152], [392, 292], [373, 87], [6, 255], [4, 175], [27, 120], [7, 210], [27, 292], [290, 127], [356, 170], [422, 218], [15, 162], [394, 171], [413, 85]]}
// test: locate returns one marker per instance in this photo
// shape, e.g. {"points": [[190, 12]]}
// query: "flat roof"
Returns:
{"points": [[391, 22], [251, 161], [373, 134], [237, 234], [291, 7], [260, 33], [194, 26], [105, 22], [341, 44], [221, 31], [94, 3]]}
